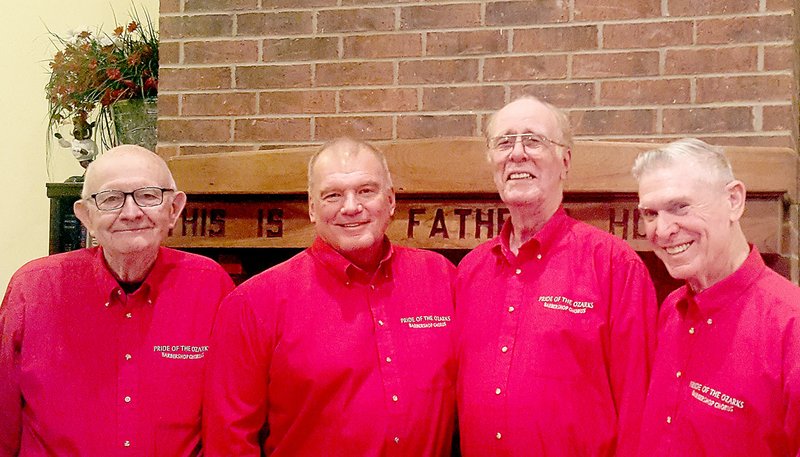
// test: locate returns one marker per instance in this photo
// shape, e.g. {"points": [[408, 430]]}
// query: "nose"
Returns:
{"points": [[350, 205], [518, 150], [129, 208], [664, 226]]}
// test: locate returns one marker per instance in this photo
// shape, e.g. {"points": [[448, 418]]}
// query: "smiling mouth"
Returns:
{"points": [[677, 249], [519, 175], [352, 224]]}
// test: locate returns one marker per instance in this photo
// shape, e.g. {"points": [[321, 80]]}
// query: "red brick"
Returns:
{"points": [[689, 121], [440, 16], [219, 104], [744, 29], [194, 130], [526, 12], [711, 7], [462, 98], [194, 78], [642, 63], [381, 46], [213, 148], [644, 92], [362, 127], [745, 88], [525, 68], [613, 122], [433, 126], [191, 6], [647, 35], [765, 140], [713, 60], [355, 20], [302, 49], [778, 57], [466, 43], [169, 53], [355, 73], [780, 5], [273, 4], [371, 100], [221, 52], [556, 39], [214, 25], [438, 71], [275, 129], [168, 104], [614, 10], [369, 2], [169, 6], [274, 23], [559, 94], [778, 118], [269, 76], [304, 102], [167, 152]]}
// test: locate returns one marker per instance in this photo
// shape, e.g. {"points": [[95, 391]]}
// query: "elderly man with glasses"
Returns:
{"points": [[102, 350], [556, 318]]}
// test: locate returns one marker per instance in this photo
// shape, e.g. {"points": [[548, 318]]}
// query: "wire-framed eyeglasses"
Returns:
{"points": [[530, 141], [144, 197]]}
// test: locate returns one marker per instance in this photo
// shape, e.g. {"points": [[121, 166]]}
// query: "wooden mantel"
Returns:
{"points": [[446, 197]]}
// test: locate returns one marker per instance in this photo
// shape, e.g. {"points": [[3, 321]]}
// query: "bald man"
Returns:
{"points": [[102, 350], [345, 349]]}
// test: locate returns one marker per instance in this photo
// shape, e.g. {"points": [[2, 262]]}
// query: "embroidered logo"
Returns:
{"points": [[714, 398], [559, 303], [425, 321], [181, 352]]}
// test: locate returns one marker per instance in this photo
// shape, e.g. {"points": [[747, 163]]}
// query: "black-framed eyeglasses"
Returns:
{"points": [[530, 141], [144, 197]]}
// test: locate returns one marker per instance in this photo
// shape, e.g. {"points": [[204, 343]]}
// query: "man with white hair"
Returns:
{"points": [[726, 379], [102, 350]]}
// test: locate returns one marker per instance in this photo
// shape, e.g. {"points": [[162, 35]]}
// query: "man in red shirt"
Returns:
{"points": [[726, 379], [345, 349], [102, 350], [556, 318]]}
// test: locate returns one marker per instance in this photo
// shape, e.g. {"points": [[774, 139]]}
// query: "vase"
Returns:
{"points": [[135, 121]]}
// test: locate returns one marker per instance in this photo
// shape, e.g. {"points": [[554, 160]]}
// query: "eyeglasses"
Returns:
{"points": [[530, 141], [145, 197]]}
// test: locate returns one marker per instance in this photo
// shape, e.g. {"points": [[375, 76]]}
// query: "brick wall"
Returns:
{"points": [[249, 74]]}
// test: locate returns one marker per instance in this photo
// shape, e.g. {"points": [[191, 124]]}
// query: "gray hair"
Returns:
{"points": [[351, 147], [710, 158], [123, 150], [561, 118]]}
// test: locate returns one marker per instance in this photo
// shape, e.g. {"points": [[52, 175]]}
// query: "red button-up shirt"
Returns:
{"points": [[86, 369], [554, 344], [314, 357], [726, 379]]}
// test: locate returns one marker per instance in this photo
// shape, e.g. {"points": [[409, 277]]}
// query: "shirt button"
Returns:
{"points": [[539, 256], [119, 292], [127, 443], [127, 356], [691, 331], [128, 315], [518, 271], [394, 398], [106, 305], [396, 439], [710, 322], [127, 399], [380, 322], [678, 374], [510, 309], [504, 349], [388, 360], [497, 391], [372, 286], [499, 435], [149, 302], [669, 419]]}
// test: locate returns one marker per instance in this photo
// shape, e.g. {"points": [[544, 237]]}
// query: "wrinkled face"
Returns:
{"points": [[130, 229], [523, 175], [351, 203], [688, 219]]}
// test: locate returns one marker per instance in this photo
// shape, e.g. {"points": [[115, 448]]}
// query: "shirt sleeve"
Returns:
{"points": [[236, 398], [632, 347], [791, 370], [11, 330]]}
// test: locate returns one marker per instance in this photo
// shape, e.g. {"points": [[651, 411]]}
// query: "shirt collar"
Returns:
{"points": [[729, 289], [110, 289], [551, 233], [345, 270]]}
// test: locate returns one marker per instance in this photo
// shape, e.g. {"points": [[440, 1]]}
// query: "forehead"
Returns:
{"points": [[524, 116], [342, 167], [669, 183], [126, 172]]}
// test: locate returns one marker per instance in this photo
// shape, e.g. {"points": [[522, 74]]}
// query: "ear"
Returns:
{"points": [[566, 159], [176, 208], [736, 195], [392, 201], [81, 211], [311, 210]]}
